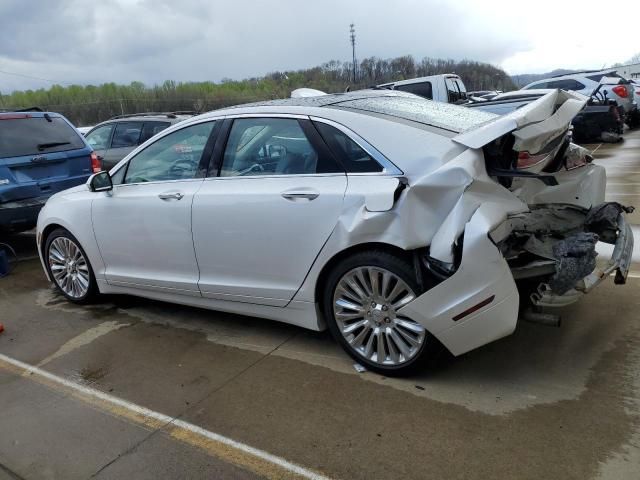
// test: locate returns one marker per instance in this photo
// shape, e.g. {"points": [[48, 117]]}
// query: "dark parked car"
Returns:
{"points": [[41, 153], [114, 139]]}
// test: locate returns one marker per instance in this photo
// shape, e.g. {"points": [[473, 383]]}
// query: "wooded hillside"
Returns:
{"points": [[87, 105]]}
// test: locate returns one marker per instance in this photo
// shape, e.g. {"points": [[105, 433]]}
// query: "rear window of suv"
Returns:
{"points": [[27, 135]]}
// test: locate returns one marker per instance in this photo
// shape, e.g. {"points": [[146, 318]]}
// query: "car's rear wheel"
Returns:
{"points": [[363, 299], [69, 267]]}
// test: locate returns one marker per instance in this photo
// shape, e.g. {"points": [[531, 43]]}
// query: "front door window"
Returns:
{"points": [[174, 157]]}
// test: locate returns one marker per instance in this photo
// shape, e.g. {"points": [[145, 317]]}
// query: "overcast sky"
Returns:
{"points": [[75, 41]]}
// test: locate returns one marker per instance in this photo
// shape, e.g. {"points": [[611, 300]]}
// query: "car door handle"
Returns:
{"points": [[300, 195], [171, 196]]}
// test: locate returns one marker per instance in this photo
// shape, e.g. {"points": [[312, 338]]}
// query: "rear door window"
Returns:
{"points": [[354, 158], [566, 84], [149, 129], [598, 76], [26, 135], [424, 89], [127, 134], [272, 146], [99, 138], [536, 86]]}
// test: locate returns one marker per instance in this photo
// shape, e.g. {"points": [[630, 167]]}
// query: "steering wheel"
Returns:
{"points": [[181, 166]]}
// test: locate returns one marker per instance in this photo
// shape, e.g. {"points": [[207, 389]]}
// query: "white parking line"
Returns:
{"points": [[231, 451]]}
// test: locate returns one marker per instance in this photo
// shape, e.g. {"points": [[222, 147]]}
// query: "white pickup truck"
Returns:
{"points": [[447, 88]]}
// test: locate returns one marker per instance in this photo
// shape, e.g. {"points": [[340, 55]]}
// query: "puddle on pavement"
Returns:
{"points": [[545, 366], [89, 375]]}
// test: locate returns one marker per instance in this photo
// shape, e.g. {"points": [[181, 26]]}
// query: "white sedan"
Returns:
{"points": [[403, 225]]}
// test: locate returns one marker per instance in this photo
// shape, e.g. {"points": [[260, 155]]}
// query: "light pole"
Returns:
{"points": [[352, 31]]}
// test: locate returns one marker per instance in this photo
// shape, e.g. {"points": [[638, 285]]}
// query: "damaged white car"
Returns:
{"points": [[403, 225]]}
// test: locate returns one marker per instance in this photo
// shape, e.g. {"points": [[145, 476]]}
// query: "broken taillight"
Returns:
{"points": [[95, 163], [621, 91], [526, 160]]}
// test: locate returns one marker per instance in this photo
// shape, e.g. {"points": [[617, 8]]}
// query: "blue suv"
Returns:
{"points": [[41, 153]]}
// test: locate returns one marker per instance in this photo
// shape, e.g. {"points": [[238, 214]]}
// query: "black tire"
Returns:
{"points": [[430, 350], [92, 289]]}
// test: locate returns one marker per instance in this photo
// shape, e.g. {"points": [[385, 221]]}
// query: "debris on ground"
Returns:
{"points": [[359, 368]]}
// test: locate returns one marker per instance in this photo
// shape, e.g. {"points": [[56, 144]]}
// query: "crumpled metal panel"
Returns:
{"points": [[533, 125], [603, 219], [432, 210], [576, 256]]}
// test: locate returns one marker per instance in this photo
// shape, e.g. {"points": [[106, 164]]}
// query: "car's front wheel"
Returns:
{"points": [[69, 267], [363, 299]]}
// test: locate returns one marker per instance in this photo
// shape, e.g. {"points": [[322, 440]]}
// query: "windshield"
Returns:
{"points": [[36, 135]]}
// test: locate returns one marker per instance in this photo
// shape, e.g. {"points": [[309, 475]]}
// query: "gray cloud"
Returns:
{"points": [[153, 40]]}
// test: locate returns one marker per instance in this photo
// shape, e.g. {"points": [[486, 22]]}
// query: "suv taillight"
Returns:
{"points": [[621, 91], [95, 163]]}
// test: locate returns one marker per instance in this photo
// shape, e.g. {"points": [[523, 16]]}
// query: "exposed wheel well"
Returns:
{"points": [[338, 257]]}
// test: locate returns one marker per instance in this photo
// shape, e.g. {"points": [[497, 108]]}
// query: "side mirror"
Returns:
{"points": [[100, 182]]}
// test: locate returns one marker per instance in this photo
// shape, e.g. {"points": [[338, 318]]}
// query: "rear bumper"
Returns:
{"points": [[21, 214], [619, 263], [480, 302]]}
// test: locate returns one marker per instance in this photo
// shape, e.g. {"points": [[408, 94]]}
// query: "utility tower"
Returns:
{"points": [[352, 31]]}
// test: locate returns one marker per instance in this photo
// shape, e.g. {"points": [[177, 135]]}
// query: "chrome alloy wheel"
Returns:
{"points": [[365, 305], [69, 268]]}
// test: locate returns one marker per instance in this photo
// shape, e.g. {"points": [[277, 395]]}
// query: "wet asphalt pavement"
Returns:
{"points": [[131, 388]]}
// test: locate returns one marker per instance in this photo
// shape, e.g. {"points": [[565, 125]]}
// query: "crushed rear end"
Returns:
{"points": [[523, 230]]}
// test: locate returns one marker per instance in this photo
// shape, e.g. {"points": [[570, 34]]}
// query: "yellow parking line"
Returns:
{"points": [[250, 458]]}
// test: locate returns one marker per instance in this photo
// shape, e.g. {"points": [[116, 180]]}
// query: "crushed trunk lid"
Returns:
{"points": [[533, 125]]}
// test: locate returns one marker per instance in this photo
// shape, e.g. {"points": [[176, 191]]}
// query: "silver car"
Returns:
{"points": [[399, 223]]}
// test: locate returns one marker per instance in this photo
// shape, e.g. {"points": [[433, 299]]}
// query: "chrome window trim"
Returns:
{"points": [[266, 115], [388, 167], [292, 175], [158, 182]]}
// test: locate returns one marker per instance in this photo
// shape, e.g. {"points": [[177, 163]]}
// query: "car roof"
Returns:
{"points": [[583, 73], [390, 103], [154, 117], [30, 113]]}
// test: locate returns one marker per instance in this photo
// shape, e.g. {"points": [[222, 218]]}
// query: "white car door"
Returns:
{"points": [[259, 225], [143, 227]]}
